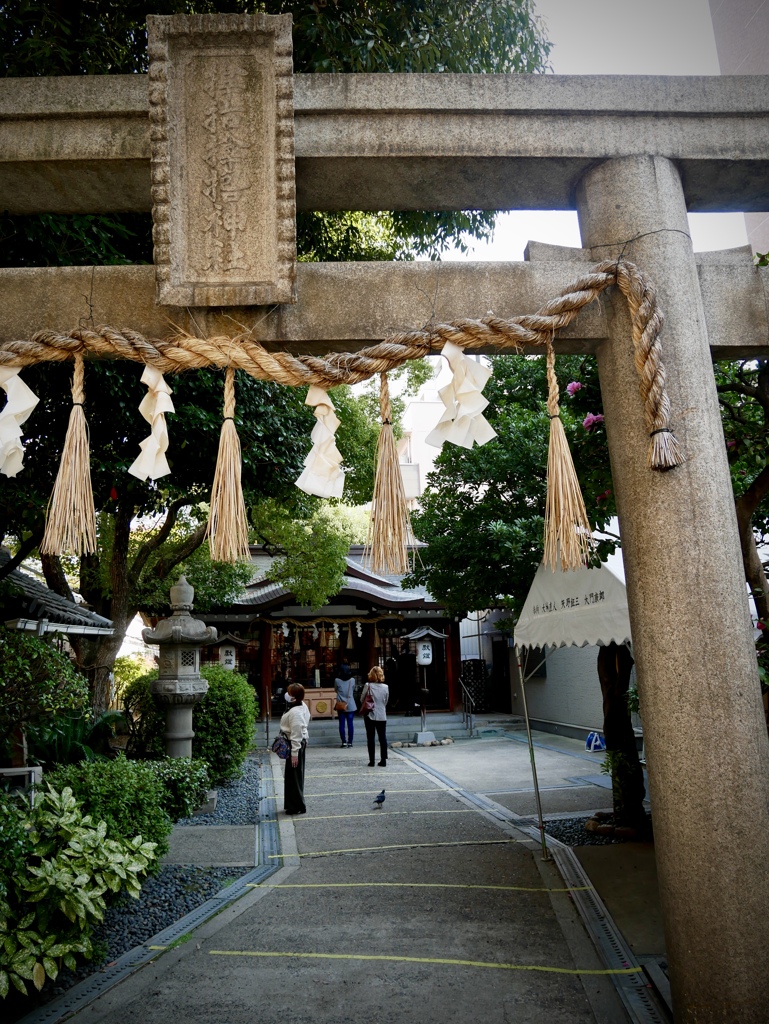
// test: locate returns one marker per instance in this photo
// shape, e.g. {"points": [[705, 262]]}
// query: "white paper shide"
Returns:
{"points": [[152, 463], [463, 422], [323, 474], [21, 402]]}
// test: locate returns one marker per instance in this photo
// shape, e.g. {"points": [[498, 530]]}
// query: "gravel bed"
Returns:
{"points": [[238, 802], [571, 832]]}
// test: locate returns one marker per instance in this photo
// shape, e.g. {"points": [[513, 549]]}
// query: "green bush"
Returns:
{"points": [[69, 738], [36, 682], [185, 784], [55, 877], [223, 721], [128, 667], [126, 795]]}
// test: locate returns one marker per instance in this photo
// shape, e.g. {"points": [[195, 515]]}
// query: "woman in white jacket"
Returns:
{"points": [[293, 725]]}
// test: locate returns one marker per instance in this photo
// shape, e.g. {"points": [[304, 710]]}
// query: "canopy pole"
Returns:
{"points": [[543, 840]]}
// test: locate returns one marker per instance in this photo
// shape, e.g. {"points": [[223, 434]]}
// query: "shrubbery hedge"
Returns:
{"points": [[124, 794], [223, 721]]}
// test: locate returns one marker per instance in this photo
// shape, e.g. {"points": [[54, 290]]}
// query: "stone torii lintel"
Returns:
{"points": [[347, 306]]}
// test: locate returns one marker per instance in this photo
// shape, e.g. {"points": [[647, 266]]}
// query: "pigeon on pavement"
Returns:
{"points": [[379, 800]]}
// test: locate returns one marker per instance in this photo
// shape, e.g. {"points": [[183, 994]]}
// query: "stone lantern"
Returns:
{"points": [[179, 685]]}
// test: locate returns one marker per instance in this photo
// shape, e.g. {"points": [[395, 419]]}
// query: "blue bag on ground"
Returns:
{"points": [[595, 741]]}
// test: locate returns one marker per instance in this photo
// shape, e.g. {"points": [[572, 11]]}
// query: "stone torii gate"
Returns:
{"points": [[232, 135]]}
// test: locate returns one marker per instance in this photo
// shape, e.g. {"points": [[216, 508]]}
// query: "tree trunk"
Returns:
{"points": [[754, 570], [614, 665]]}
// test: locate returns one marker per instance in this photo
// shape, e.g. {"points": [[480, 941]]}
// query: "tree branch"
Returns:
{"points": [[55, 578], [192, 543], [160, 537], [750, 499], [25, 548]]}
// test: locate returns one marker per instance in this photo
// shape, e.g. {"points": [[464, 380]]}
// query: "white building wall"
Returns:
{"points": [[570, 693]]}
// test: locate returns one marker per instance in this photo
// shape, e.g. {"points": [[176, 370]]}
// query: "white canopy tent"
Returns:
{"points": [[570, 609], [564, 609]]}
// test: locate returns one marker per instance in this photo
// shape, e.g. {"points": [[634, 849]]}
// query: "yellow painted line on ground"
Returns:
{"points": [[395, 846], [351, 775], [379, 814], [409, 885], [157, 947], [367, 792], [427, 960]]}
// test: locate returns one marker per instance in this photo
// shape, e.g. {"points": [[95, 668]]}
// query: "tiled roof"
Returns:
{"points": [[36, 601], [261, 594]]}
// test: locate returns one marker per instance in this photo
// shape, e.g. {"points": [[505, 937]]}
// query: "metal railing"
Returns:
{"points": [[468, 708]]}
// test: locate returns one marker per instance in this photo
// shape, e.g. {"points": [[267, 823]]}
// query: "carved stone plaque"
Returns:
{"points": [[222, 136]]}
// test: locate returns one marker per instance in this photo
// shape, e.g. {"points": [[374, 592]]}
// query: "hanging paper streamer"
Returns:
{"points": [[152, 463], [323, 474], [227, 522], [71, 520], [389, 533], [463, 422], [568, 537], [21, 402]]}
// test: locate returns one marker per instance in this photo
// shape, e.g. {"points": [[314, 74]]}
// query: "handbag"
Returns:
{"points": [[368, 703], [341, 705], [282, 746]]}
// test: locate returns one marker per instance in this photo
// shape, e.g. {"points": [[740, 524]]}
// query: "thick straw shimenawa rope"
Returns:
{"points": [[568, 535], [71, 520], [242, 352], [389, 532], [227, 522]]}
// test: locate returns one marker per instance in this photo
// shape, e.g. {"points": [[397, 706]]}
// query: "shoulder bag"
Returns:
{"points": [[282, 746]]}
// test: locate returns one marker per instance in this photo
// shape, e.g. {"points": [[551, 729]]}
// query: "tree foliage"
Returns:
{"points": [[743, 394], [36, 681], [109, 37], [482, 514]]}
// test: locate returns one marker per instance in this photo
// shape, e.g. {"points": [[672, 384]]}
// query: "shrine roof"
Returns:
{"points": [[34, 601]]}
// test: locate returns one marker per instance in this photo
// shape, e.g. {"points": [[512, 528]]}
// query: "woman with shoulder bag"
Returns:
{"points": [[293, 725], [373, 702], [345, 695]]}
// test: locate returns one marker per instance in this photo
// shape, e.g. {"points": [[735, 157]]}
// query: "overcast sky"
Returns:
{"points": [[611, 37]]}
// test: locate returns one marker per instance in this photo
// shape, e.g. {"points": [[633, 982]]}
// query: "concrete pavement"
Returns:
{"points": [[432, 909]]}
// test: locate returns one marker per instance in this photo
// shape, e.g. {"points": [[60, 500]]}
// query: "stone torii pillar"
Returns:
{"points": [[697, 679]]}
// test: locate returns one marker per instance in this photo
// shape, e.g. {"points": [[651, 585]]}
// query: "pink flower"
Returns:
{"points": [[731, 444], [574, 387], [591, 419]]}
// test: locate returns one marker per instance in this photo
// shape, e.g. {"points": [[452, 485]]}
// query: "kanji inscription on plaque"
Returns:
{"points": [[222, 138]]}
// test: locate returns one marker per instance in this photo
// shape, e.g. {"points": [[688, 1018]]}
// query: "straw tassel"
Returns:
{"points": [[227, 522], [377, 639], [568, 537], [389, 533], [296, 639], [71, 520]]}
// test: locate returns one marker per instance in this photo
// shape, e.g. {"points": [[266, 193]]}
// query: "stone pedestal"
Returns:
{"points": [[704, 728]]}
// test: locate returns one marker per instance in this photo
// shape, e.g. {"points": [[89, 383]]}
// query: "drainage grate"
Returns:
{"points": [[633, 989], [88, 990]]}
